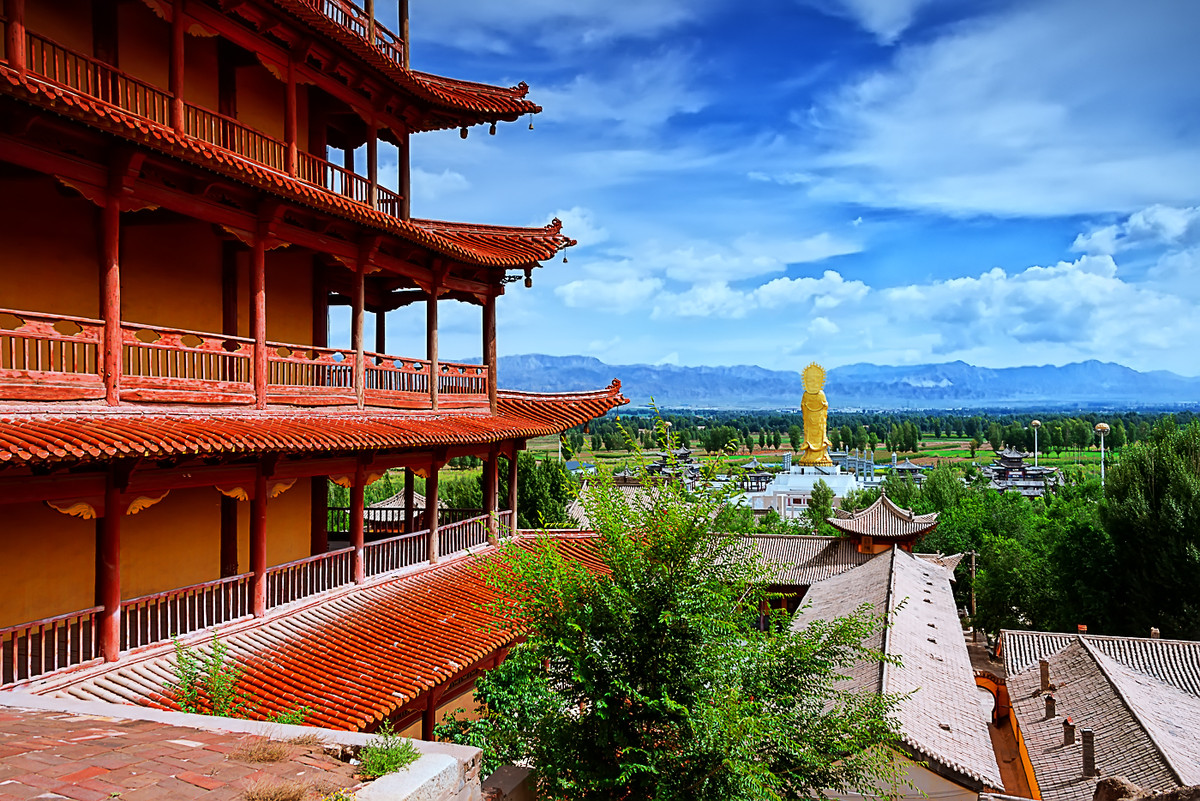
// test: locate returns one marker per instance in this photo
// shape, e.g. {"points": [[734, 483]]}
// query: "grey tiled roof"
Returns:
{"points": [[800, 560], [884, 520], [1173, 662], [940, 716], [1145, 729]]}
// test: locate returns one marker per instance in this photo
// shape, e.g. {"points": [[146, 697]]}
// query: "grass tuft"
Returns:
{"points": [[259, 750], [275, 790], [388, 753]]}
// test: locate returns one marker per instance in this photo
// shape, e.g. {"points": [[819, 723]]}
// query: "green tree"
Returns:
{"points": [[651, 678], [995, 437], [1116, 438], [1151, 510], [776, 439], [544, 490], [795, 437], [943, 487], [974, 446], [820, 506]]}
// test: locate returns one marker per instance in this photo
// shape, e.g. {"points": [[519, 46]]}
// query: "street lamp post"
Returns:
{"points": [[1035, 425], [1102, 429]]}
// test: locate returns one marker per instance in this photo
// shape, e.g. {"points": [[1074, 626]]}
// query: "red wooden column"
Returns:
{"points": [[408, 500], [489, 348], [356, 337], [512, 486], [14, 45], [405, 176], [369, 7], [110, 290], [357, 501], [289, 119], [108, 573], [258, 315], [258, 542], [177, 66], [373, 166], [229, 327], [431, 509], [381, 331], [491, 470], [431, 347]]}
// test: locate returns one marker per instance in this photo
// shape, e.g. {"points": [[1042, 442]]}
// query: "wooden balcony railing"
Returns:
{"points": [[31, 650], [354, 19], [95, 79], [175, 613], [57, 357], [49, 357], [43, 646]]}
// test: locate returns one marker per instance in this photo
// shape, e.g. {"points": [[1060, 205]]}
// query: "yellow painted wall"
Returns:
{"points": [[200, 71], [412, 731], [261, 99], [68, 22], [41, 269], [144, 42], [289, 296], [289, 527], [49, 561], [465, 701], [171, 275], [172, 544]]}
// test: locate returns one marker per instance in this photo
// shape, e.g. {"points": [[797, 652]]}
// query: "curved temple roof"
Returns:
{"points": [[884, 520], [75, 436]]}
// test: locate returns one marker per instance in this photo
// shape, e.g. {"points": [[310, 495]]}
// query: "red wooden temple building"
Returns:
{"points": [[173, 234]]}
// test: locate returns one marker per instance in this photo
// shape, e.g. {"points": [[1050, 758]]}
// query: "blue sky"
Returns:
{"points": [[773, 182]]}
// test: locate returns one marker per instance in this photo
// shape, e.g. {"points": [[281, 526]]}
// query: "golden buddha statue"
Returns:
{"points": [[816, 409]]}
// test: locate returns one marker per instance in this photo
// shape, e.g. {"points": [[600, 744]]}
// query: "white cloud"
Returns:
{"points": [[625, 295], [713, 299], [579, 224], [823, 326], [641, 95], [885, 19], [433, 186], [826, 292], [1052, 108], [748, 256], [1157, 225]]}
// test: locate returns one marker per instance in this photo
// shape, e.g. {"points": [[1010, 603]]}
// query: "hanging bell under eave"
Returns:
{"points": [[531, 122], [492, 129], [462, 132]]}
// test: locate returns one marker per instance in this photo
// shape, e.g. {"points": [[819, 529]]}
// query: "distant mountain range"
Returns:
{"points": [[940, 386]]}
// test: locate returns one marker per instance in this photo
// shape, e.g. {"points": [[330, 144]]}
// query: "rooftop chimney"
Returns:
{"points": [[1068, 732], [1049, 706], [1044, 664], [1154, 632], [1083, 628], [1089, 753]]}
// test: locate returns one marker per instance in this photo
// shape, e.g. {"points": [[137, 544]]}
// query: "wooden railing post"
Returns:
{"points": [[177, 66], [357, 501], [489, 348], [258, 542], [491, 471], [408, 500], [108, 572], [431, 509], [431, 346], [14, 44], [258, 313]]}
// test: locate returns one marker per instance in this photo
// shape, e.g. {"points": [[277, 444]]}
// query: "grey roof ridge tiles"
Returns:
{"points": [[887, 611], [1101, 659]]}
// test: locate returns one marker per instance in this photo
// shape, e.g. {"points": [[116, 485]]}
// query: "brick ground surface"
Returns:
{"points": [[51, 755]]}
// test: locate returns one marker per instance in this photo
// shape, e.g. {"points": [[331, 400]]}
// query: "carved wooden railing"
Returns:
{"points": [[228, 133], [396, 553], [355, 19], [309, 376], [88, 76], [56, 357], [49, 357], [176, 365], [95, 79], [43, 646], [463, 535], [306, 577], [175, 613]]}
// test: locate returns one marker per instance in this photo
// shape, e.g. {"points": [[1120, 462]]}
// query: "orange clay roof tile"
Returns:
{"points": [[31, 438], [491, 246]]}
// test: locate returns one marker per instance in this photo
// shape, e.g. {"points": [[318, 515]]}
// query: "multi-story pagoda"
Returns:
{"points": [[173, 234]]}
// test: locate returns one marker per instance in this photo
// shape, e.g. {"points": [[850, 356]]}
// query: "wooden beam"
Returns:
{"points": [[490, 475], [357, 502], [489, 348], [405, 183], [108, 572], [431, 508], [289, 120], [431, 348], [177, 65], [258, 542], [380, 332], [110, 288], [258, 313], [356, 336], [512, 487], [14, 42]]}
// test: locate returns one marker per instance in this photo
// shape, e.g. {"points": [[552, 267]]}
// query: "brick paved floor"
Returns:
{"points": [[52, 755]]}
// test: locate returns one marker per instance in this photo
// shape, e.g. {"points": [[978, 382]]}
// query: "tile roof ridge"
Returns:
{"points": [[520, 90], [1100, 658]]}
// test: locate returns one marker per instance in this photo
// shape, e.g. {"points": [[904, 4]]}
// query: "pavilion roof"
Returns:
{"points": [[448, 102], [86, 435], [884, 520], [353, 657], [484, 245]]}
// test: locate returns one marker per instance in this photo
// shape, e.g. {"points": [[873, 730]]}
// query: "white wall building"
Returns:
{"points": [[789, 492]]}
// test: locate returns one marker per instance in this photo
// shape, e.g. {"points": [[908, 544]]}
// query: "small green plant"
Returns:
{"points": [[291, 717], [207, 684], [389, 753]]}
